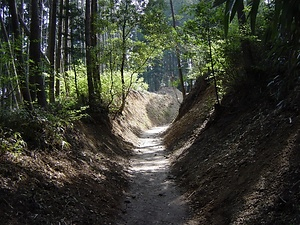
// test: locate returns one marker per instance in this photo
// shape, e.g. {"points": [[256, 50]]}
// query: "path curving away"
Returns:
{"points": [[153, 197]]}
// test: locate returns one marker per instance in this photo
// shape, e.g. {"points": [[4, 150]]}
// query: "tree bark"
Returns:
{"points": [[66, 47], [51, 49], [89, 62], [96, 69], [58, 50], [123, 60], [36, 78], [20, 66], [178, 52]]}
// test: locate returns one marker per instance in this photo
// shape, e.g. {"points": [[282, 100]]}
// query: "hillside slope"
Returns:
{"points": [[240, 165]]}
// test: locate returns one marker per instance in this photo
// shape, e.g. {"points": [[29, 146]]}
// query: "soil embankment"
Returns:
{"points": [[81, 183], [239, 165]]}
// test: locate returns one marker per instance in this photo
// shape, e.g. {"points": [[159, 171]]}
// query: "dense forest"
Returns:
{"points": [[79, 53]]}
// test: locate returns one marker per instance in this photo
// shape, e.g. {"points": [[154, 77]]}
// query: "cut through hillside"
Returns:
{"points": [[84, 182], [240, 165]]}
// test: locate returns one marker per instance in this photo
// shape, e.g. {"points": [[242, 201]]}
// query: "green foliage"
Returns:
{"points": [[281, 27], [77, 82], [38, 129], [201, 31], [11, 141], [282, 37], [111, 90], [135, 35]]}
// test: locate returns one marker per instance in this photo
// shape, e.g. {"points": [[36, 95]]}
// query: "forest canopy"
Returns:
{"points": [[65, 55]]}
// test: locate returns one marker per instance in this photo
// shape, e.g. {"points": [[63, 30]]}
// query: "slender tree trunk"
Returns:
{"points": [[58, 50], [96, 69], [27, 32], [178, 53], [89, 62], [14, 70], [123, 62], [212, 67], [20, 65], [37, 80], [66, 47], [51, 49]]}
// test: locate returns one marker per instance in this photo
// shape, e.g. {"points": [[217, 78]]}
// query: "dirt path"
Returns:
{"points": [[153, 197]]}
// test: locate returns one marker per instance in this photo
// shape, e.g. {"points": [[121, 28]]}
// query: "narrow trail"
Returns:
{"points": [[153, 197]]}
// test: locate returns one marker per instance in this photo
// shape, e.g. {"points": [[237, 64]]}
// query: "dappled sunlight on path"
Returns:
{"points": [[153, 197]]}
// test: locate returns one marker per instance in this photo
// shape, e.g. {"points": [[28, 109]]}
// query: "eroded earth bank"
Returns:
{"points": [[240, 163]]}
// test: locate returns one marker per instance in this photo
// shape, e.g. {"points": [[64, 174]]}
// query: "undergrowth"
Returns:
{"points": [[38, 129]]}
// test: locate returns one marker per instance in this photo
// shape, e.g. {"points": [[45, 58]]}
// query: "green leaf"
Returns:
{"points": [[226, 18], [253, 14], [219, 2], [228, 13], [234, 8]]}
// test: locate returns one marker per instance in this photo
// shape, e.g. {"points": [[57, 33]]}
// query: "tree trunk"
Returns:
{"points": [[122, 69], [74, 67], [96, 69], [58, 50], [66, 47], [20, 70], [123, 63], [51, 49], [37, 80], [212, 67], [91, 90], [178, 53]]}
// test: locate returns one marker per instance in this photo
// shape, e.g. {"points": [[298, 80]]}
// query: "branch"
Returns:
{"points": [[136, 70]]}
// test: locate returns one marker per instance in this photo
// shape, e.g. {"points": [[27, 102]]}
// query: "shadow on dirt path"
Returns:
{"points": [[153, 197]]}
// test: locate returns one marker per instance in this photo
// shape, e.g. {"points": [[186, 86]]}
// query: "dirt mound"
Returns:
{"points": [[241, 167]]}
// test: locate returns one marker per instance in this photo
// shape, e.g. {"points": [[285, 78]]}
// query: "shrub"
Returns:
{"points": [[39, 129]]}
